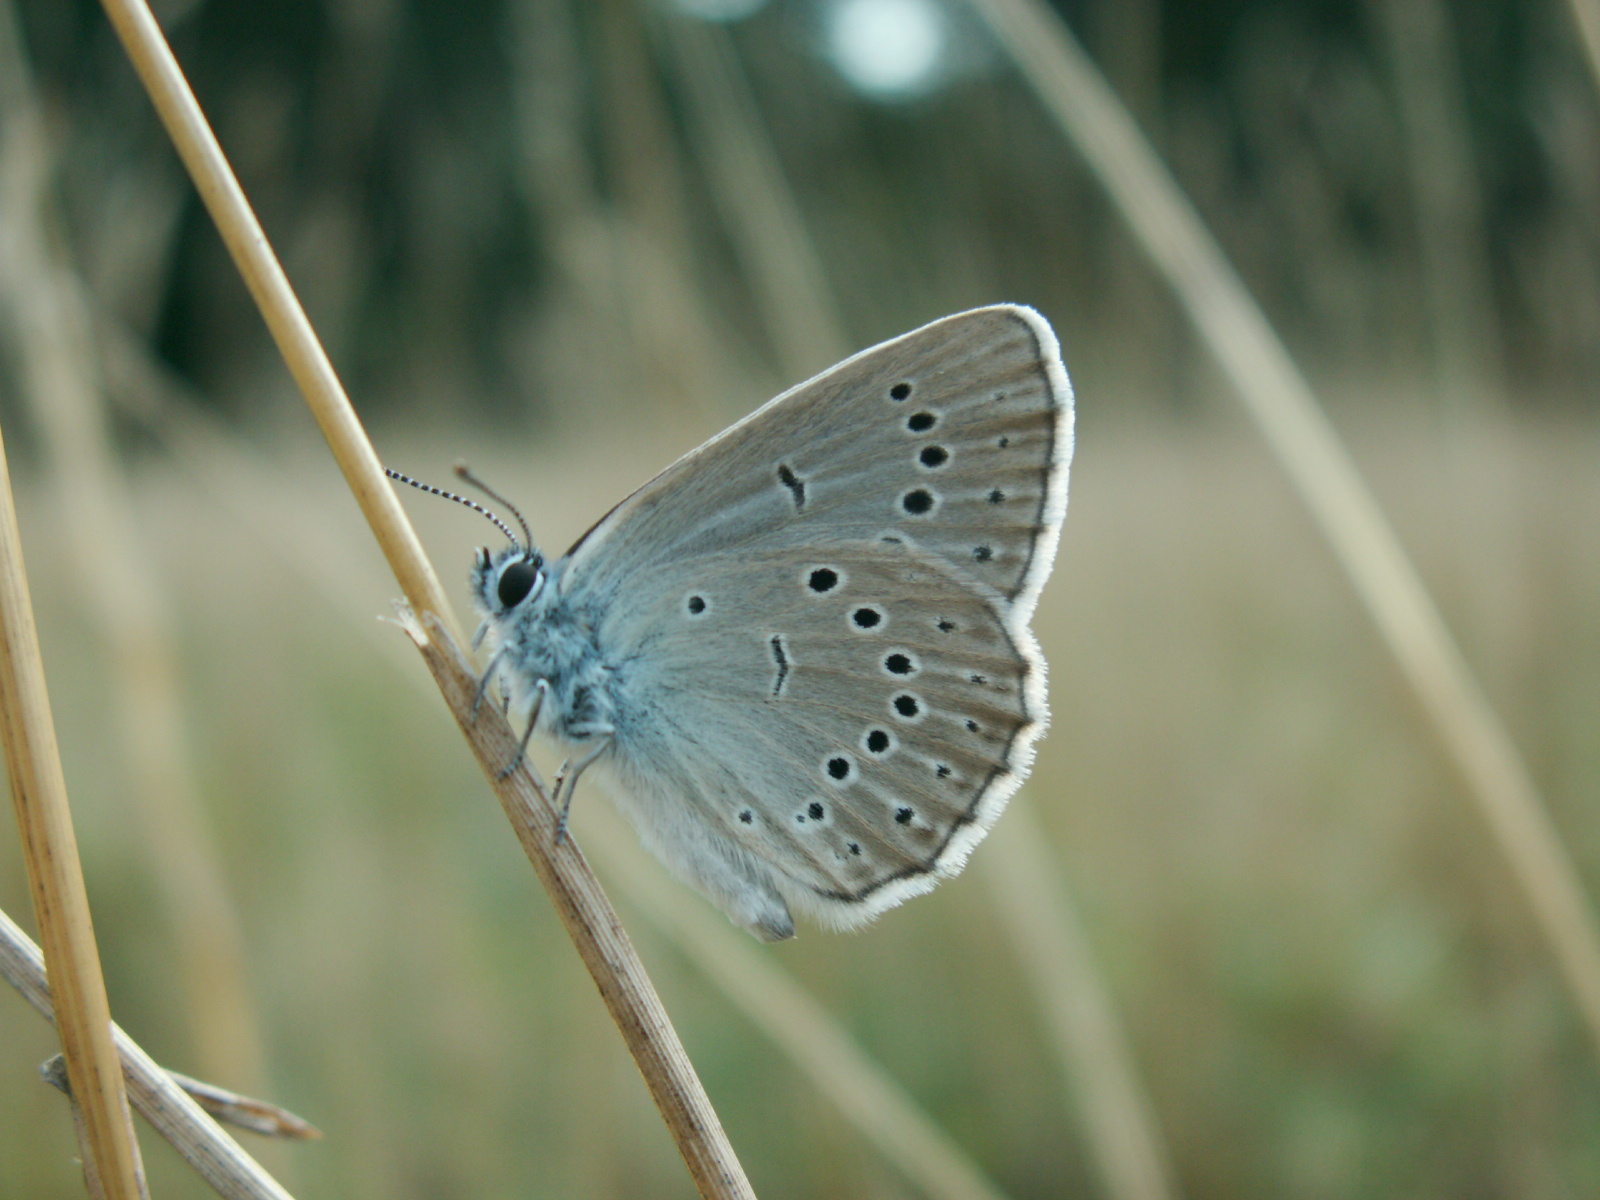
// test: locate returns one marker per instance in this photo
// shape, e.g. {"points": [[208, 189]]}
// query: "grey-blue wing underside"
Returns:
{"points": [[826, 684], [859, 740], [957, 434]]}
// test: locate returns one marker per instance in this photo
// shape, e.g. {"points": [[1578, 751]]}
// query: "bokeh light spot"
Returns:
{"points": [[887, 48]]}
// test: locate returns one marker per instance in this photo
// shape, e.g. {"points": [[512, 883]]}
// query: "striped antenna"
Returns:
{"points": [[472, 504], [464, 474]]}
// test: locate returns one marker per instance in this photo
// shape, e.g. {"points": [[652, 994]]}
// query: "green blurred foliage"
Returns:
{"points": [[419, 163]]}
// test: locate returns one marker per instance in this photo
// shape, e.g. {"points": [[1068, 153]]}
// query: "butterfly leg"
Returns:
{"points": [[484, 680], [567, 781], [539, 691]]}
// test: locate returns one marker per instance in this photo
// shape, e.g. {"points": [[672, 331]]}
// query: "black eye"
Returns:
{"points": [[516, 581]]}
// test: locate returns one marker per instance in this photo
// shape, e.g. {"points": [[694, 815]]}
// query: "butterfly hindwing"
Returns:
{"points": [[865, 714]]}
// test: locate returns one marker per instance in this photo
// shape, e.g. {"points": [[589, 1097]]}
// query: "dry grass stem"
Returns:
{"points": [[43, 303], [246, 241], [584, 910], [60, 904], [1586, 15], [1454, 246], [1282, 404], [1079, 1013], [215, 1156], [590, 919], [227, 1107], [757, 205]]}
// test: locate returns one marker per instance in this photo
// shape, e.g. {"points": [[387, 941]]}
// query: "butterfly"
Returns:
{"points": [[803, 649]]}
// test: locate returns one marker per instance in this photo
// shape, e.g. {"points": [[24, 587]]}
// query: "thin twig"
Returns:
{"points": [[225, 1106], [215, 1156], [1295, 426], [584, 910], [60, 904]]}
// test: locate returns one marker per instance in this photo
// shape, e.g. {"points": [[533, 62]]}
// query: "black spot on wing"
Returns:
{"points": [[796, 485], [780, 656]]}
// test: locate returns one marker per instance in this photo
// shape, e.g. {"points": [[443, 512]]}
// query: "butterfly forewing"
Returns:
{"points": [[955, 436]]}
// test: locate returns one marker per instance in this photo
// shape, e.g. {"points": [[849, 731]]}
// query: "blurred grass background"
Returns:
{"points": [[568, 242]]}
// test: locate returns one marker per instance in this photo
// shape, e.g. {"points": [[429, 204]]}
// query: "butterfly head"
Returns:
{"points": [[503, 582]]}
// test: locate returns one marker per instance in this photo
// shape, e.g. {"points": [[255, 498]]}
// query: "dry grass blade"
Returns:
{"points": [[246, 241], [584, 910], [43, 304], [215, 1156], [60, 904], [230, 1108], [758, 208], [1282, 404], [1426, 67], [246, 1112], [1038, 915], [1586, 15]]}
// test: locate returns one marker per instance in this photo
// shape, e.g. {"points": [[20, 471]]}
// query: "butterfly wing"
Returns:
{"points": [[826, 683], [959, 434], [842, 747]]}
